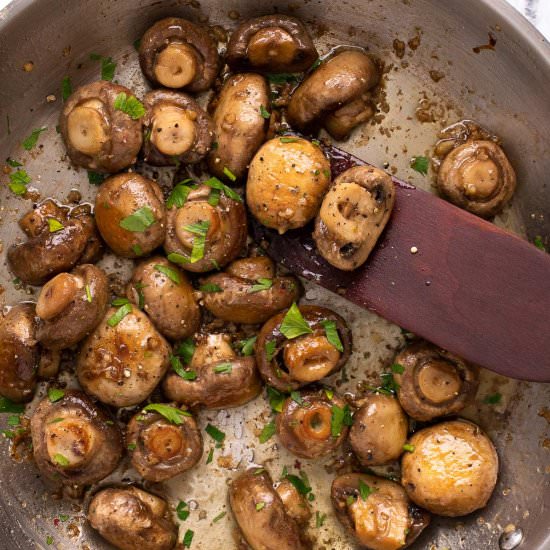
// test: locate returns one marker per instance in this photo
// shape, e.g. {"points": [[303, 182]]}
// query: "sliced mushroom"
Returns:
{"points": [[287, 181], [377, 511], [133, 519], [290, 364], [434, 382], [335, 95], [353, 215], [176, 53], [97, 134], [452, 469], [202, 236], [239, 124], [124, 359], [75, 441], [216, 378], [163, 291], [294, 502], [130, 214], [71, 305]]}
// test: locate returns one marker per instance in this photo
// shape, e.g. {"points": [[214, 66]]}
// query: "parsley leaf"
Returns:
{"points": [[13, 163], [176, 258], [178, 195], [396, 368], [223, 368], [264, 112], [230, 175], [139, 221], [341, 416], [270, 350], [300, 483], [120, 301], [200, 231], [268, 432], [8, 406], [214, 433], [61, 460], [108, 66], [365, 490], [188, 538], [319, 519], [18, 182], [215, 183], [288, 139], [282, 78], [276, 399], [54, 225], [180, 371], [30, 142], [409, 448], [332, 334], [186, 350], [294, 324], [88, 294], [55, 394], [260, 506], [66, 88], [182, 510], [120, 313], [261, 284], [315, 64], [221, 515], [210, 287], [172, 414], [539, 244], [493, 399], [296, 397], [170, 272], [214, 197], [247, 346], [95, 178], [130, 105], [420, 164]]}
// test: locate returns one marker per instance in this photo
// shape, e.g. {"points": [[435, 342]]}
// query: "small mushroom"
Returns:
{"points": [[353, 215], [434, 382], [287, 181], [289, 364], [97, 134], [271, 44], [335, 95], [71, 305], [130, 214], [294, 502], [239, 124], [163, 291], [161, 449], [178, 54], [248, 291], [452, 469], [132, 519], [216, 377], [124, 359], [74, 441], [377, 511]]}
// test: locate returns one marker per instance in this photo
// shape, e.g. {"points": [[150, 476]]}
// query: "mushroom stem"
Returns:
{"points": [[271, 44], [70, 442], [56, 295], [176, 65], [86, 128], [173, 131], [310, 358]]}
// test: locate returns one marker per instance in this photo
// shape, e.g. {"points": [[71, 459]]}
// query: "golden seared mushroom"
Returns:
{"points": [[287, 181], [335, 95], [248, 291], [176, 53], [271, 44], [377, 511], [74, 440], [240, 124], [216, 377], [58, 239], [19, 353], [288, 360], [164, 441], [124, 359], [206, 229], [295, 504], [260, 513], [100, 124], [353, 215], [130, 214], [177, 130], [451, 469], [433, 382], [312, 424], [163, 291], [71, 305], [132, 519]]}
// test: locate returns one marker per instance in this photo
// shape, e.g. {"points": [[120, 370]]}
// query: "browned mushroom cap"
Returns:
{"points": [[272, 44], [287, 181], [261, 515], [248, 292], [305, 425], [133, 519], [177, 130], [123, 360], [161, 449], [336, 92], [163, 291], [19, 355], [202, 234], [239, 126], [98, 135], [434, 382], [74, 440], [452, 469], [289, 364], [71, 305], [216, 378], [295, 504], [377, 511], [353, 215], [130, 214], [478, 177], [176, 53]]}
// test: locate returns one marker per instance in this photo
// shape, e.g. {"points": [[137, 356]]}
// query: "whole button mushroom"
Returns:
{"points": [[124, 359], [99, 132], [353, 215], [271, 44], [176, 53], [74, 441], [287, 180], [130, 214], [132, 519]]}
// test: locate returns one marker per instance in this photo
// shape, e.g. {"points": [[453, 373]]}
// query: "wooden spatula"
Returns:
{"points": [[444, 274]]}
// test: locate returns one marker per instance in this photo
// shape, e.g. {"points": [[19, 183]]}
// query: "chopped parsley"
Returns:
{"points": [[8, 406], [341, 416], [182, 510], [365, 490], [30, 141], [129, 105], [276, 399], [131, 446], [301, 484], [200, 230], [54, 225], [108, 66], [264, 112], [288, 139], [493, 399], [539, 244], [178, 195], [230, 175], [223, 368], [409, 448], [294, 324], [13, 163], [139, 221], [215, 183], [170, 272], [270, 350], [329, 392], [247, 346], [319, 519], [61, 460], [95, 178], [261, 284], [296, 397], [66, 88], [388, 387], [18, 182], [260, 506], [316, 64], [120, 302], [214, 197], [55, 394], [180, 371], [137, 250], [188, 538], [185, 350], [210, 456], [120, 313], [268, 432], [172, 414], [396, 368], [88, 294], [221, 515], [210, 287], [420, 164], [282, 78], [214, 433], [332, 334]]}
